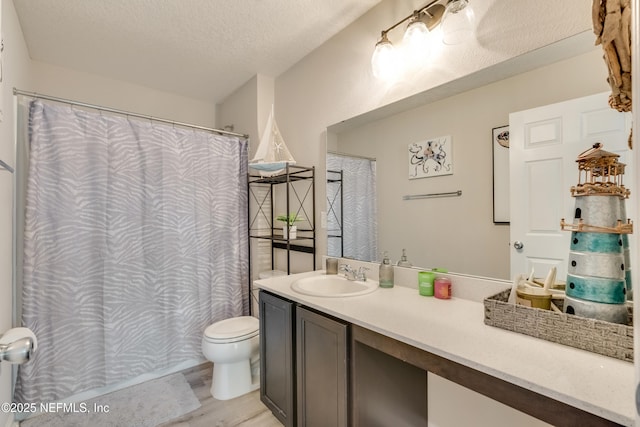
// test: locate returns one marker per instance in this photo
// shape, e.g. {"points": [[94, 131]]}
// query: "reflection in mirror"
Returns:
{"points": [[457, 233], [351, 207]]}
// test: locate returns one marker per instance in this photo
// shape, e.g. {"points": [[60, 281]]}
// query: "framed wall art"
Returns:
{"points": [[500, 146], [431, 157]]}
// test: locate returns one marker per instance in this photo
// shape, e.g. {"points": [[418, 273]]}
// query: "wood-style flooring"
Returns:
{"points": [[243, 411]]}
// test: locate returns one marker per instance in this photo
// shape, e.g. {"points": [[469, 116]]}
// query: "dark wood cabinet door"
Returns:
{"points": [[277, 380], [322, 378]]}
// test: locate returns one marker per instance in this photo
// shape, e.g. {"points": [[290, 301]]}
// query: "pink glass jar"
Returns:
{"points": [[442, 288]]}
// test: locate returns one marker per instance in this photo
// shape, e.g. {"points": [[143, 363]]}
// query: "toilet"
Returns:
{"points": [[233, 345]]}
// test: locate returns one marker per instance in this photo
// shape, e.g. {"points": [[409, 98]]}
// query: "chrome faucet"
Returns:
{"points": [[351, 273]]}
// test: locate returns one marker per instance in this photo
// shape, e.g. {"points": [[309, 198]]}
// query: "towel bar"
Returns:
{"points": [[430, 195]]}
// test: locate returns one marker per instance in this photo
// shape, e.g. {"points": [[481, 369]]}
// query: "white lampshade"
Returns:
{"points": [[458, 22], [384, 61]]}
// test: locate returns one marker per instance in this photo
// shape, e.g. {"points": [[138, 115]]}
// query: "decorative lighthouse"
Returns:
{"points": [[599, 275]]}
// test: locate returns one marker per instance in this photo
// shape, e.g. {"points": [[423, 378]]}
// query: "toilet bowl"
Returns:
{"points": [[233, 345]]}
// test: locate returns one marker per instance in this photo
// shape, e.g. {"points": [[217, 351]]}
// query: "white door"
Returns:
{"points": [[544, 143]]}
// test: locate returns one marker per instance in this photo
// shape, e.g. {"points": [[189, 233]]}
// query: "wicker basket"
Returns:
{"points": [[597, 336]]}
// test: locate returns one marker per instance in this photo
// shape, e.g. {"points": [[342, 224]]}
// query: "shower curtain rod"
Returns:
{"points": [[337, 153], [126, 113]]}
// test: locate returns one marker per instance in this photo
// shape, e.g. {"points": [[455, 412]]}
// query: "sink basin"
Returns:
{"points": [[333, 286]]}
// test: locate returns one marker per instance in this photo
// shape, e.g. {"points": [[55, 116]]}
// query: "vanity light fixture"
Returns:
{"points": [[455, 17]]}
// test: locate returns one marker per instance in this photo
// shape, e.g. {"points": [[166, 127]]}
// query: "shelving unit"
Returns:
{"points": [[292, 192], [6, 167], [334, 210]]}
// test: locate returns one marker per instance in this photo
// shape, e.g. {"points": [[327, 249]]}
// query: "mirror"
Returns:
{"points": [[446, 220]]}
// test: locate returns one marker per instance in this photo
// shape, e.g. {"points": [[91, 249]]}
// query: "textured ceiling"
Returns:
{"points": [[202, 49]]}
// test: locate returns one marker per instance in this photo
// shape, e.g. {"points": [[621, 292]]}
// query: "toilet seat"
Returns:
{"points": [[232, 330]]}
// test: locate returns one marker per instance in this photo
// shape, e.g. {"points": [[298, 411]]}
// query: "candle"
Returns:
{"points": [[442, 288], [425, 283]]}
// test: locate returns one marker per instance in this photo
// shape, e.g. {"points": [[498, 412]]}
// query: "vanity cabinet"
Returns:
{"points": [[398, 374], [303, 364]]}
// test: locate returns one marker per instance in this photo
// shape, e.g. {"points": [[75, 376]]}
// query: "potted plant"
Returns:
{"points": [[289, 229]]}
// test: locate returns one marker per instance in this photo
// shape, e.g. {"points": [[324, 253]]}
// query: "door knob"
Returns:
{"points": [[518, 244]]}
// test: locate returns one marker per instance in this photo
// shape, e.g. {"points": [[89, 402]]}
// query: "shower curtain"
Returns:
{"points": [[135, 240], [359, 208]]}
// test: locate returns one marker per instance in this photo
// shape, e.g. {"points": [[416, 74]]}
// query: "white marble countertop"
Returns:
{"points": [[455, 329]]}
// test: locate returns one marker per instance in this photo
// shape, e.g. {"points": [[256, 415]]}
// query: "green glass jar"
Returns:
{"points": [[425, 283]]}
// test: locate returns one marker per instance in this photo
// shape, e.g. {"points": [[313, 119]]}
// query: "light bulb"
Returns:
{"points": [[416, 36], [384, 62], [458, 22]]}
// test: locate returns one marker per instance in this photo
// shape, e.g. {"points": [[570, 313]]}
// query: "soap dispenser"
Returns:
{"points": [[386, 273], [403, 261]]}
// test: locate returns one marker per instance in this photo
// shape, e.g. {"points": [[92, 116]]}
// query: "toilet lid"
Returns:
{"points": [[236, 328]]}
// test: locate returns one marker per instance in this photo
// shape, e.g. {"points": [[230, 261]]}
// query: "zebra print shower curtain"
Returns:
{"points": [[359, 207], [135, 239]]}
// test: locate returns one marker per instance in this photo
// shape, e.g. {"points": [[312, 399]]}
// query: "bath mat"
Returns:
{"points": [[143, 405]]}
